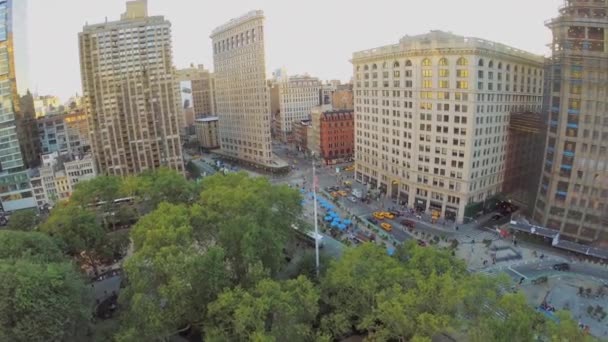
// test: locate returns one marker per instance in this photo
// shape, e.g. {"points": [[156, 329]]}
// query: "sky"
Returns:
{"points": [[316, 37]]}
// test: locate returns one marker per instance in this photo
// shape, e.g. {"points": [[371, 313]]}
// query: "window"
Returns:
{"points": [[462, 61], [443, 84], [462, 73], [443, 62], [426, 62], [396, 64], [427, 73], [427, 84], [480, 63], [408, 63], [443, 73], [462, 85]]}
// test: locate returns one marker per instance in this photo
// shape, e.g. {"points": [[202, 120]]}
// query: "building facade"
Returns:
{"points": [[573, 192], [524, 158], [300, 130], [242, 96], [343, 97], [292, 98], [202, 89], [15, 189], [55, 180], [131, 97], [432, 114], [337, 136], [207, 132], [64, 132]]}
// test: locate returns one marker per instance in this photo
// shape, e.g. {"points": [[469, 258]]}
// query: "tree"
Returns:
{"points": [[352, 285], [250, 218], [82, 235], [29, 245], [42, 302], [172, 279], [272, 311], [25, 220], [99, 189], [166, 185], [566, 330]]}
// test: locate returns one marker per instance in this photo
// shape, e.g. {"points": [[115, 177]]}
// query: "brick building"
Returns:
{"points": [[336, 135]]}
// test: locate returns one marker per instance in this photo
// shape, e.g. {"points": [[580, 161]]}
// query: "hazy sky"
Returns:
{"points": [[314, 36]]}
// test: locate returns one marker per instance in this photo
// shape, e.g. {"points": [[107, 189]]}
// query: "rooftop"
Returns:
{"points": [[255, 14], [436, 39]]}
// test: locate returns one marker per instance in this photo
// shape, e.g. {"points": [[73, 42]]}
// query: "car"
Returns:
{"points": [[349, 168], [388, 215], [378, 215], [496, 217], [332, 188], [421, 243], [342, 193], [334, 194], [408, 223], [561, 267], [386, 226]]}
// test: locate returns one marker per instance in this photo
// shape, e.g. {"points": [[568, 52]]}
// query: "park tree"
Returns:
{"points": [[80, 231], [565, 329], [26, 220], [353, 283], [166, 185], [42, 302], [171, 279], [29, 245], [250, 218], [99, 189], [271, 311]]}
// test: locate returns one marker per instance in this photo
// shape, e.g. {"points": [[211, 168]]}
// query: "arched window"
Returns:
{"points": [[383, 65], [374, 67], [508, 67], [516, 68], [408, 63], [426, 62], [443, 62], [491, 64], [366, 67], [396, 64], [480, 63], [462, 61], [358, 67], [500, 65]]}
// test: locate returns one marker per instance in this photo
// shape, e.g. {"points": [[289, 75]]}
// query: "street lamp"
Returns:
{"points": [[314, 199]]}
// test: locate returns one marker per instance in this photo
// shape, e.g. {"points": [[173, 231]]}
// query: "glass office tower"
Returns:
{"points": [[15, 189]]}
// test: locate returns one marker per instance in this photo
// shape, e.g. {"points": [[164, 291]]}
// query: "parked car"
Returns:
{"points": [[342, 193], [388, 215], [561, 267], [386, 226]]}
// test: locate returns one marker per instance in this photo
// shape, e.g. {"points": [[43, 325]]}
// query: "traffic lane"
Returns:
{"points": [[537, 269]]}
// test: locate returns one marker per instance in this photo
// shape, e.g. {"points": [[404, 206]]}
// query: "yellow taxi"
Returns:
{"points": [[335, 194], [342, 193], [388, 215], [386, 226], [378, 215], [350, 168]]}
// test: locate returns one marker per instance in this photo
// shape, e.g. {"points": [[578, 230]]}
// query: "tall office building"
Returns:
{"points": [[242, 95], [130, 93], [292, 99], [15, 189], [573, 191], [431, 118]]}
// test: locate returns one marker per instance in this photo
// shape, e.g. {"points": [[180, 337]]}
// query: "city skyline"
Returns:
{"points": [[287, 23]]}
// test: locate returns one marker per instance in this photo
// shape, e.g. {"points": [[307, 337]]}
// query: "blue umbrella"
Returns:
{"points": [[329, 206], [390, 251], [347, 222], [302, 191], [341, 227], [328, 218], [334, 224]]}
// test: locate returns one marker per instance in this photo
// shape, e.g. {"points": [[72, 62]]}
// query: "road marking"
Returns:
{"points": [[514, 271]]}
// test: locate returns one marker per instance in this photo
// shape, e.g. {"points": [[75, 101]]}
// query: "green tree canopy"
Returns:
{"points": [[167, 185], [25, 220], [99, 189], [29, 245], [42, 302], [272, 311]]}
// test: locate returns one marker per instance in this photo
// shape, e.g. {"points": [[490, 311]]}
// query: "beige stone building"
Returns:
{"points": [[207, 132], [202, 88], [242, 96], [431, 118], [130, 93], [292, 98]]}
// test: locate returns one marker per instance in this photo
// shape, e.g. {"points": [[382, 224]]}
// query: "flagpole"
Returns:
{"points": [[314, 195]]}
